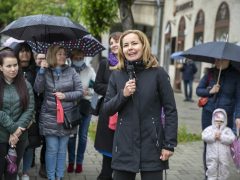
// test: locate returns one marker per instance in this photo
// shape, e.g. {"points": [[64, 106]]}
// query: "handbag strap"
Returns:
{"points": [[54, 85]]}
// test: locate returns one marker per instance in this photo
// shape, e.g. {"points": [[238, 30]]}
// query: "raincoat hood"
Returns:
{"points": [[219, 113]]}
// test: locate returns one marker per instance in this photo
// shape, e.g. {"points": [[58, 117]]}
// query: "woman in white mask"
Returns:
{"points": [[87, 76]]}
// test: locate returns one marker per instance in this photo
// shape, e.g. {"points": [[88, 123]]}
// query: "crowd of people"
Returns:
{"points": [[35, 90]]}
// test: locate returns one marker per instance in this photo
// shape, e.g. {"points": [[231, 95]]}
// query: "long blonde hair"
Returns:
{"points": [[148, 59]]}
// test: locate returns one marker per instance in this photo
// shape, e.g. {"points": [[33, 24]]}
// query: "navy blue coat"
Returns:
{"points": [[227, 98], [140, 136], [188, 71]]}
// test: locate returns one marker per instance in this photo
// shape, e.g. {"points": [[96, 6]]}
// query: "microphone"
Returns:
{"points": [[130, 71]]}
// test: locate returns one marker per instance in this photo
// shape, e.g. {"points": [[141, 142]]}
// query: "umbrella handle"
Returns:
{"points": [[219, 74]]}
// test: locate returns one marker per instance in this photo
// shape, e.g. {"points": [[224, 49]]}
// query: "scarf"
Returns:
{"points": [[112, 59]]}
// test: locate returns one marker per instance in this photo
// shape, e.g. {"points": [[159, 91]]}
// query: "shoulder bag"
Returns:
{"points": [[202, 101], [72, 117]]}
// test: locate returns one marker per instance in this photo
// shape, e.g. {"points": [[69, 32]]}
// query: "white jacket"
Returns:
{"points": [[87, 75], [218, 151]]}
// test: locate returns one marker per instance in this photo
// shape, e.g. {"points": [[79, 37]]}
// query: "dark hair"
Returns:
{"points": [[19, 81], [27, 47], [116, 36]]}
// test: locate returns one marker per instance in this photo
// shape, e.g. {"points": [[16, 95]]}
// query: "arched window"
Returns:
{"points": [[180, 47], [198, 37], [199, 29], [181, 34], [222, 23]]}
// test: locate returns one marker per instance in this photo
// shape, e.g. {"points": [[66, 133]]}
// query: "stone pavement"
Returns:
{"points": [[185, 164]]}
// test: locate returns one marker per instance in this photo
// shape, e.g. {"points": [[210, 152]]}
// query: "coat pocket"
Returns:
{"points": [[123, 139]]}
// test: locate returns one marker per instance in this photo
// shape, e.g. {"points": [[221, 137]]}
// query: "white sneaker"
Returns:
{"points": [[25, 177]]}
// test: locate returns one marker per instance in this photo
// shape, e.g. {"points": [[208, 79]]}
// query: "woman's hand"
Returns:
{"points": [[85, 92], [217, 135], [60, 95], [44, 64], [130, 88], [215, 89], [238, 123], [19, 131], [165, 154], [13, 140]]}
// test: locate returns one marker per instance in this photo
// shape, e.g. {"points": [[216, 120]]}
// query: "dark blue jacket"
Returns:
{"points": [[228, 97], [188, 71]]}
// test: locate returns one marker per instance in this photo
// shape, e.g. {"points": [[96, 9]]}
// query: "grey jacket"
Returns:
{"points": [[67, 82]]}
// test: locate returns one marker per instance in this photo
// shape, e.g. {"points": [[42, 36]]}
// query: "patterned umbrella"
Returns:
{"points": [[88, 44]]}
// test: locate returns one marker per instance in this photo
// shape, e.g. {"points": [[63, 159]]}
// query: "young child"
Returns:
{"points": [[218, 138]]}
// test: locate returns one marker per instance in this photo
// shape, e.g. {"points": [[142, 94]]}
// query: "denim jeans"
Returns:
{"points": [[82, 141], [55, 157], [27, 159], [188, 89]]}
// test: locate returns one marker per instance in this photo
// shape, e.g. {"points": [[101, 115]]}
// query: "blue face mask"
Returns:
{"points": [[78, 63]]}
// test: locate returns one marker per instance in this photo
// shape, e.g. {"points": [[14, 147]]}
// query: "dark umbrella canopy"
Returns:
{"points": [[88, 44], [209, 52], [44, 28]]}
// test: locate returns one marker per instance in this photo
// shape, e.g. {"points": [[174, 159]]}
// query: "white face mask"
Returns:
{"points": [[78, 63]]}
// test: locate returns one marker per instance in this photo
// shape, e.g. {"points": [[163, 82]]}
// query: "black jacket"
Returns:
{"points": [[140, 136], [104, 135]]}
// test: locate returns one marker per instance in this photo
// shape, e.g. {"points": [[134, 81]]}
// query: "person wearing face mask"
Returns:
{"points": [[222, 87], [87, 77], [104, 136], [138, 89]]}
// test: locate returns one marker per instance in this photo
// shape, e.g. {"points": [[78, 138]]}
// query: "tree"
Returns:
{"points": [[96, 15], [31, 7], [6, 11], [126, 13]]}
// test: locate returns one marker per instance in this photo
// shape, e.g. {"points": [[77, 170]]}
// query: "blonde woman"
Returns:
{"points": [[56, 79], [137, 90]]}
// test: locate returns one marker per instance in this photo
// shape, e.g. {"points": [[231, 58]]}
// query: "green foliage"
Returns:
{"points": [[30, 7], [92, 130], [184, 136], [97, 15], [6, 11]]}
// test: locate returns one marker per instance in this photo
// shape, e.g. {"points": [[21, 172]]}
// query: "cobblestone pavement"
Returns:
{"points": [[185, 164]]}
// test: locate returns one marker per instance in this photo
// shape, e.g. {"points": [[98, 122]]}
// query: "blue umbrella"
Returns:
{"points": [[177, 55], [88, 44]]}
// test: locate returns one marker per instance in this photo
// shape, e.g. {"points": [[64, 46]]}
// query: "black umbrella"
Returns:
{"points": [[44, 28], [210, 51], [88, 44]]}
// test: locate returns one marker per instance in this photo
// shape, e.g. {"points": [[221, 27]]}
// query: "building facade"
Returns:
{"points": [[187, 23]]}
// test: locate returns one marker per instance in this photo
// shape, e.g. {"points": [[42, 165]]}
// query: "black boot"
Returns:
{"points": [[42, 171]]}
